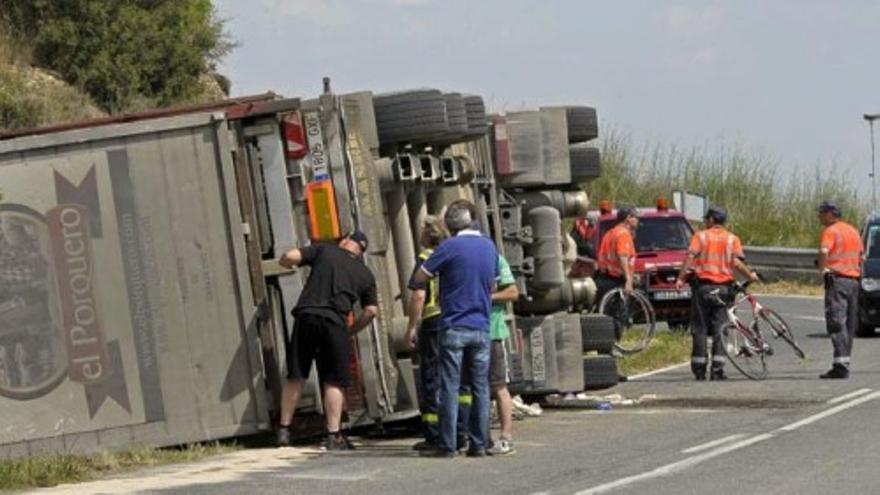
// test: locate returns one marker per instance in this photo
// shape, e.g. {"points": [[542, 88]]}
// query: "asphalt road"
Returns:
{"points": [[789, 434]]}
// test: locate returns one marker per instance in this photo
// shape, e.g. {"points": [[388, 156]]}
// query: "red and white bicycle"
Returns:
{"points": [[745, 344]]}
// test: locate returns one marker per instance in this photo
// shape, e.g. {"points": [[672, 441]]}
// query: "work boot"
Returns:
{"points": [[336, 442], [837, 372], [437, 452], [282, 437], [717, 375], [699, 371], [424, 445], [476, 453]]}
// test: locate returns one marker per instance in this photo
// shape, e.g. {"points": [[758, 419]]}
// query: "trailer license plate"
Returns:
{"points": [[669, 295]]}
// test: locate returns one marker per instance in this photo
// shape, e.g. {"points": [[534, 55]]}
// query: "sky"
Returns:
{"points": [[789, 78]]}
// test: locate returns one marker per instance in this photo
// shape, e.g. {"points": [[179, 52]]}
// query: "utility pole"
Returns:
{"points": [[871, 117]]}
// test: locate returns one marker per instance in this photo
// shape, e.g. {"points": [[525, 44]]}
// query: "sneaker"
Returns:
{"points": [[336, 442], [501, 447], [462, 444], [437, 452], [282, 437], [836, 372], [700, 377], [475, 453]]}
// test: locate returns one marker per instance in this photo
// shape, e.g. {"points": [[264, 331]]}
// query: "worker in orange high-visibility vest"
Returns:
{"points": [[617, 254], [713, 256], [840, 263]]}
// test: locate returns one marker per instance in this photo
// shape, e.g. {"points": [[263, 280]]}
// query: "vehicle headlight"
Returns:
{"points": [[871, 284]]}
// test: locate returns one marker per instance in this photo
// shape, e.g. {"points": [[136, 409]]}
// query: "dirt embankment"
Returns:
{"points": [[32, 97]]}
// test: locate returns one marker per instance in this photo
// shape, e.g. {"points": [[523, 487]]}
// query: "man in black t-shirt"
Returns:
{"points": [[321, 332]]}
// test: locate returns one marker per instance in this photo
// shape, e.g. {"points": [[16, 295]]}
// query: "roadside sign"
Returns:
{"points": [[693, 206]]}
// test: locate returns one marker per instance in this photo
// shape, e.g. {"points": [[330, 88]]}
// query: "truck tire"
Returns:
{"points": [[586, 163], [864, 330], [600, 372], [456, 113], [476, 115], [597, 333], [583, 124], [414, 116]]}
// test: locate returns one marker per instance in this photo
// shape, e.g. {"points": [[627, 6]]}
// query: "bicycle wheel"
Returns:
{"points": [[634, 318], [781, 329], [744, 350]]}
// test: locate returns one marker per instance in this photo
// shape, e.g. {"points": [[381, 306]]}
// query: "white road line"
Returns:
{"points": [[656, 372], [675, 467], [861, 391], [689, 462], [333, 476], [713, 443], [830, 412]]}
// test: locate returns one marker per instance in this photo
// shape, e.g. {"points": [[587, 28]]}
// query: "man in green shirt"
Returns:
{"points": [[505, 292]]}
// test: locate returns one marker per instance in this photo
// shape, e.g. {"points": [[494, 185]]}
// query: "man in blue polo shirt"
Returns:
{"points": [[468, 266]]}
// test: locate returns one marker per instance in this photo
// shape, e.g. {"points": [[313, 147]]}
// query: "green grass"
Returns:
{"points": [[54, 470], [766, 206], [788, 288], [665, 349]]}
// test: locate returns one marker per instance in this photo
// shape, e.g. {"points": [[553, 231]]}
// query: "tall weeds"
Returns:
{"points": [[766, 206]]}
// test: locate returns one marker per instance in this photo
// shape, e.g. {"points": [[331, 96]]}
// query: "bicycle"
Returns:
{"points": [[634, 319], [744, 344]]}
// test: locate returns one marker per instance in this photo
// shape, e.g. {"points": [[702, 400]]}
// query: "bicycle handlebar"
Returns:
{"points": [[742, 286]]}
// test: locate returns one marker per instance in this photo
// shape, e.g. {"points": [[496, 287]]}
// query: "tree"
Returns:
{"points": [[124, 53]]}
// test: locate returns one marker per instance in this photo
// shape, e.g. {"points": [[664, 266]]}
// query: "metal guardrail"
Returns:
{"points": [[780, 263]]}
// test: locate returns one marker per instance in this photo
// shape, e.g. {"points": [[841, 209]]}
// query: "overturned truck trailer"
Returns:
{"points": [[141, 301]]}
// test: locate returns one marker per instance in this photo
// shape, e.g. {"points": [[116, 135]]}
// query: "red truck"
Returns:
{"points": [[661, 239]]}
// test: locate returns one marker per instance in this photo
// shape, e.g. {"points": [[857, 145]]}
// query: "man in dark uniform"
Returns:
{"points": [[338, 279], [424, 322]]}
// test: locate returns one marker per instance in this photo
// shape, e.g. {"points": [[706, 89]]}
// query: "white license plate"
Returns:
{"points": [[317, 151], [671, 295]]}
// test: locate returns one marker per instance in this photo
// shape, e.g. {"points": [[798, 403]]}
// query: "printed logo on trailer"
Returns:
{"points": [[50, 326]]}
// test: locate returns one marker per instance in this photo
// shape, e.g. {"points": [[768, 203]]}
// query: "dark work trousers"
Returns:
{"points": [[605, 284], [429, 378], [711, 317], [841, 315]]}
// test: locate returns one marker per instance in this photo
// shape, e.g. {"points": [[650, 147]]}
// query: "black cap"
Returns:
{"points": [[360, 238], [826, 206], [626, 212], [717, 213]]}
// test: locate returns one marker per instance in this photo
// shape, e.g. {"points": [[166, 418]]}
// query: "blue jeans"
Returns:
{"points": [[464, 348]]}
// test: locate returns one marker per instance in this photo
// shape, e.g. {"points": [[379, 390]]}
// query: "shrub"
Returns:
{"points": [[765, 206], [123, 53]]}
